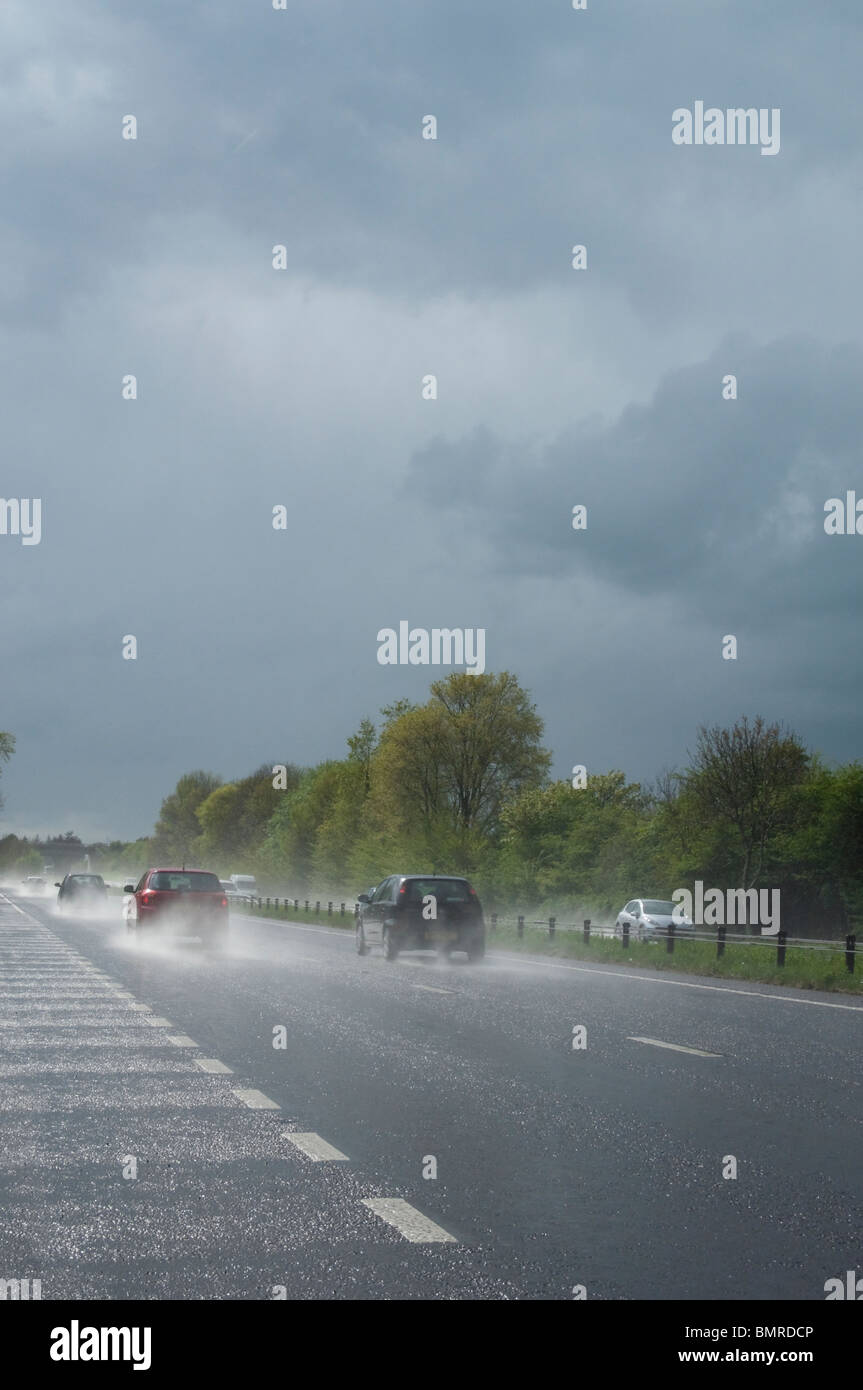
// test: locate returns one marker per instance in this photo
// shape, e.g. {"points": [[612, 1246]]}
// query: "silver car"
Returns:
{"points": [[649, 919]]}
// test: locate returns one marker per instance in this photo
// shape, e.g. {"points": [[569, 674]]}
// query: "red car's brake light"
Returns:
{"points": [[224, 902]]}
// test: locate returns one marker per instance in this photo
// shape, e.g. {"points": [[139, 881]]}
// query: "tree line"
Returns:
{"points": [[461, 784]]}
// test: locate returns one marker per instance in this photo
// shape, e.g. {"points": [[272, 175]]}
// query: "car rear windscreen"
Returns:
{"points": [[445, 890], [185, 883]]}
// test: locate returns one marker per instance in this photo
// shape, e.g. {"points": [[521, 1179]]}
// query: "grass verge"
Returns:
{"points": [[804, 968]]}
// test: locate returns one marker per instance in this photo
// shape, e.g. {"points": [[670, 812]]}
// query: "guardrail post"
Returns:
{"points": [[551, 925], [317, 909], [341, 909], [297, 904], [521, 927], [624, 936], [669, 945], [268, 902], [356, 909], [329, 909], [780, 947], [720, 941], [587, 929], [850, 948], [307, 904], [494, 921]]}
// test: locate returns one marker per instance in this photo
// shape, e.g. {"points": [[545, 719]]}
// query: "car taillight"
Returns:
{"points": [[147, 897], [224, 902]]}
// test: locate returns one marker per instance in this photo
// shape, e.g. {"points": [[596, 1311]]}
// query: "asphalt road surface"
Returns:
{"points": [[427, 1131]]}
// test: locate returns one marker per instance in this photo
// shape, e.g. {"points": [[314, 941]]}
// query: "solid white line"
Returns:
{"points": [[212, 1064], [74, 1008], [10, 903], [681, 984], [95, 1022], [255, 1100], [63, 974], [345, 932], [316, 1148], [409, 1222], [675, 1047], [54, 991]]}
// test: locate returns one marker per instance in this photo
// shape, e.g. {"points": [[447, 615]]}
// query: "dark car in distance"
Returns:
{"points": [[186, 901], [81, 891], [416, 912]]}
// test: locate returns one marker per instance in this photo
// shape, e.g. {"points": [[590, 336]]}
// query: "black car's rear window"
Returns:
{"points": [[185, 883], [89, 879], [445, 890]]}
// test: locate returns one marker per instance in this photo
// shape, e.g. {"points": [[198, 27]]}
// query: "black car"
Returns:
{"points": [[415, 912], [81, 890]]}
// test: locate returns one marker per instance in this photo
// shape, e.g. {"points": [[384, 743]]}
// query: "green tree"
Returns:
{"points": [[293, 828], [218, 817], [178, 829], [559, 841], [451, 764], [744, 777], [7, 748]]}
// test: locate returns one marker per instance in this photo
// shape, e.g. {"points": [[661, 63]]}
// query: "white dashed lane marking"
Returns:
{"points": [[314, 1147], [675, 1047], [409, 1222], [255, 1100], [50, 991]]}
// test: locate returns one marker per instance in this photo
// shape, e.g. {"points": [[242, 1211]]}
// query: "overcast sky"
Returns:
{"points": [[302, 387]]}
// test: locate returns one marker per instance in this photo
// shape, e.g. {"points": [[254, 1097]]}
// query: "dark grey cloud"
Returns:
{"points": [[408, 257], [692, 494]]}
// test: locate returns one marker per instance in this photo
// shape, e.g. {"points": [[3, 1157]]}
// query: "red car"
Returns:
{"points": [[187, 901]]}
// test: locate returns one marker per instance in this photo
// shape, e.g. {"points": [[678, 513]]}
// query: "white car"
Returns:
{"points": [[649, 919]]}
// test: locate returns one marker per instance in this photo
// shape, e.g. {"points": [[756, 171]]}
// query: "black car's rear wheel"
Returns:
{"points": [[391, 949], [361, 943]]}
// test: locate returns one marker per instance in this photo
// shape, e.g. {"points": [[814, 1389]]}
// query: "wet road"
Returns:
{"points": [[288, 1119]]}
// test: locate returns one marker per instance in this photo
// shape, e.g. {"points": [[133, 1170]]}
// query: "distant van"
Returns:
{"points": [[245, 883]]}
